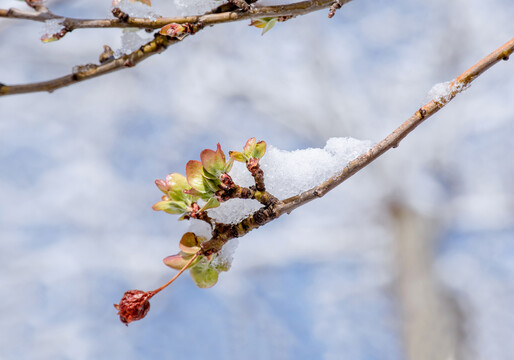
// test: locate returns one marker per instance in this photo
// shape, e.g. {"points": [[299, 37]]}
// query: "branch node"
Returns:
{"points": [[241, 4], [37, 5], [107, 55], [334, 7], [129, 63], [118, 13]]}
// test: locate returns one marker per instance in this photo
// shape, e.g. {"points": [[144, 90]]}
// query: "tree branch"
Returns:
{"points": [[298, 8], [269, 213], [85, 72], [156, 46]]}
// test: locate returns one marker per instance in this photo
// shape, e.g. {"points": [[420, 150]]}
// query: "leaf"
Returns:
{"points": [[177, 183], [172, 30], [213, 161], [203, 275], [194, 175], [269, 25], [177, 261], [249, 147], [212, 185], [228, 165], [259, 150], [237, 156], [190, 243], [162, 185], [264, 23], [212, 203], [171, 207], [259, 23], [49, 38], [209, 175]]}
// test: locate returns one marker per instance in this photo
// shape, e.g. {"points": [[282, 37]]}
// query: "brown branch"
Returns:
{"points": [[269, 213], [299, 8], [85, 72], [151, 48]]}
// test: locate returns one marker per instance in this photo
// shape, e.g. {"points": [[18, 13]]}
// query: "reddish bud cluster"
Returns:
{"points": [[134, 305]]}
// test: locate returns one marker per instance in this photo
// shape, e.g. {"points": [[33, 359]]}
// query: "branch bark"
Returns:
{"points": [[286, 206]]}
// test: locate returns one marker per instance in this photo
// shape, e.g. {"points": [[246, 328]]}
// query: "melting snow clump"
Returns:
{"points": [[190, 7], [130, 42], [441, 93], [288, 173], [137, 9], [52, 26]]}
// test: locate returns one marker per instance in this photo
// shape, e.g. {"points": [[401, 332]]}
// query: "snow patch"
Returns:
{"points": [[137, 9], [288, 173], [196, 7], [442, 92], [130, 42], [52, 26]]}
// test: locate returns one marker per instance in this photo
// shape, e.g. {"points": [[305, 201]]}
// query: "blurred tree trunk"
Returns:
{"points": [[432, 320]]}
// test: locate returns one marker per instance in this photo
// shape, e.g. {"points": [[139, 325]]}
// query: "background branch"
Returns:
{"points": [[156, 46], [298, 8]]}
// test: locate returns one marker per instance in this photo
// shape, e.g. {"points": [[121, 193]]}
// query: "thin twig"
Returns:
{"points": [[267, 214], [156, 46], [153, 292]]}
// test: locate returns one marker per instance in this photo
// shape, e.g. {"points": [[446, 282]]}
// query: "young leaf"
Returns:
{"points": [[237, 156], [177, 261], [212, 203], [259, 150], [228, 165], [194, 175], [213, 161], [173, 30], [204, 276], [264, 23], [249, 147], [190, 243], [177, 183], [171, 207], [269, 25]]}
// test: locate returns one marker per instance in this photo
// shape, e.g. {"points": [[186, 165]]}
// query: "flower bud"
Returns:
{"points": [[134, 305]]}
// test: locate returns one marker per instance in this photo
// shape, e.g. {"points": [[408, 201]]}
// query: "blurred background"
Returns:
{"points": [[412, 258]]}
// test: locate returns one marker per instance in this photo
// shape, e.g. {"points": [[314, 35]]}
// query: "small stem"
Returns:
{"points": [[153, 292]]}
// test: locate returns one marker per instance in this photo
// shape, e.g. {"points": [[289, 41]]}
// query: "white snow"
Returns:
{"points": [[51, 27], [442, 92], [196, 7], [137, 9], [130, 41], [288, 173]]}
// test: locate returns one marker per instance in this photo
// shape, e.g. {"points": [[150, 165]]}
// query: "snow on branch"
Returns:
{"points": [[207, 185]]}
